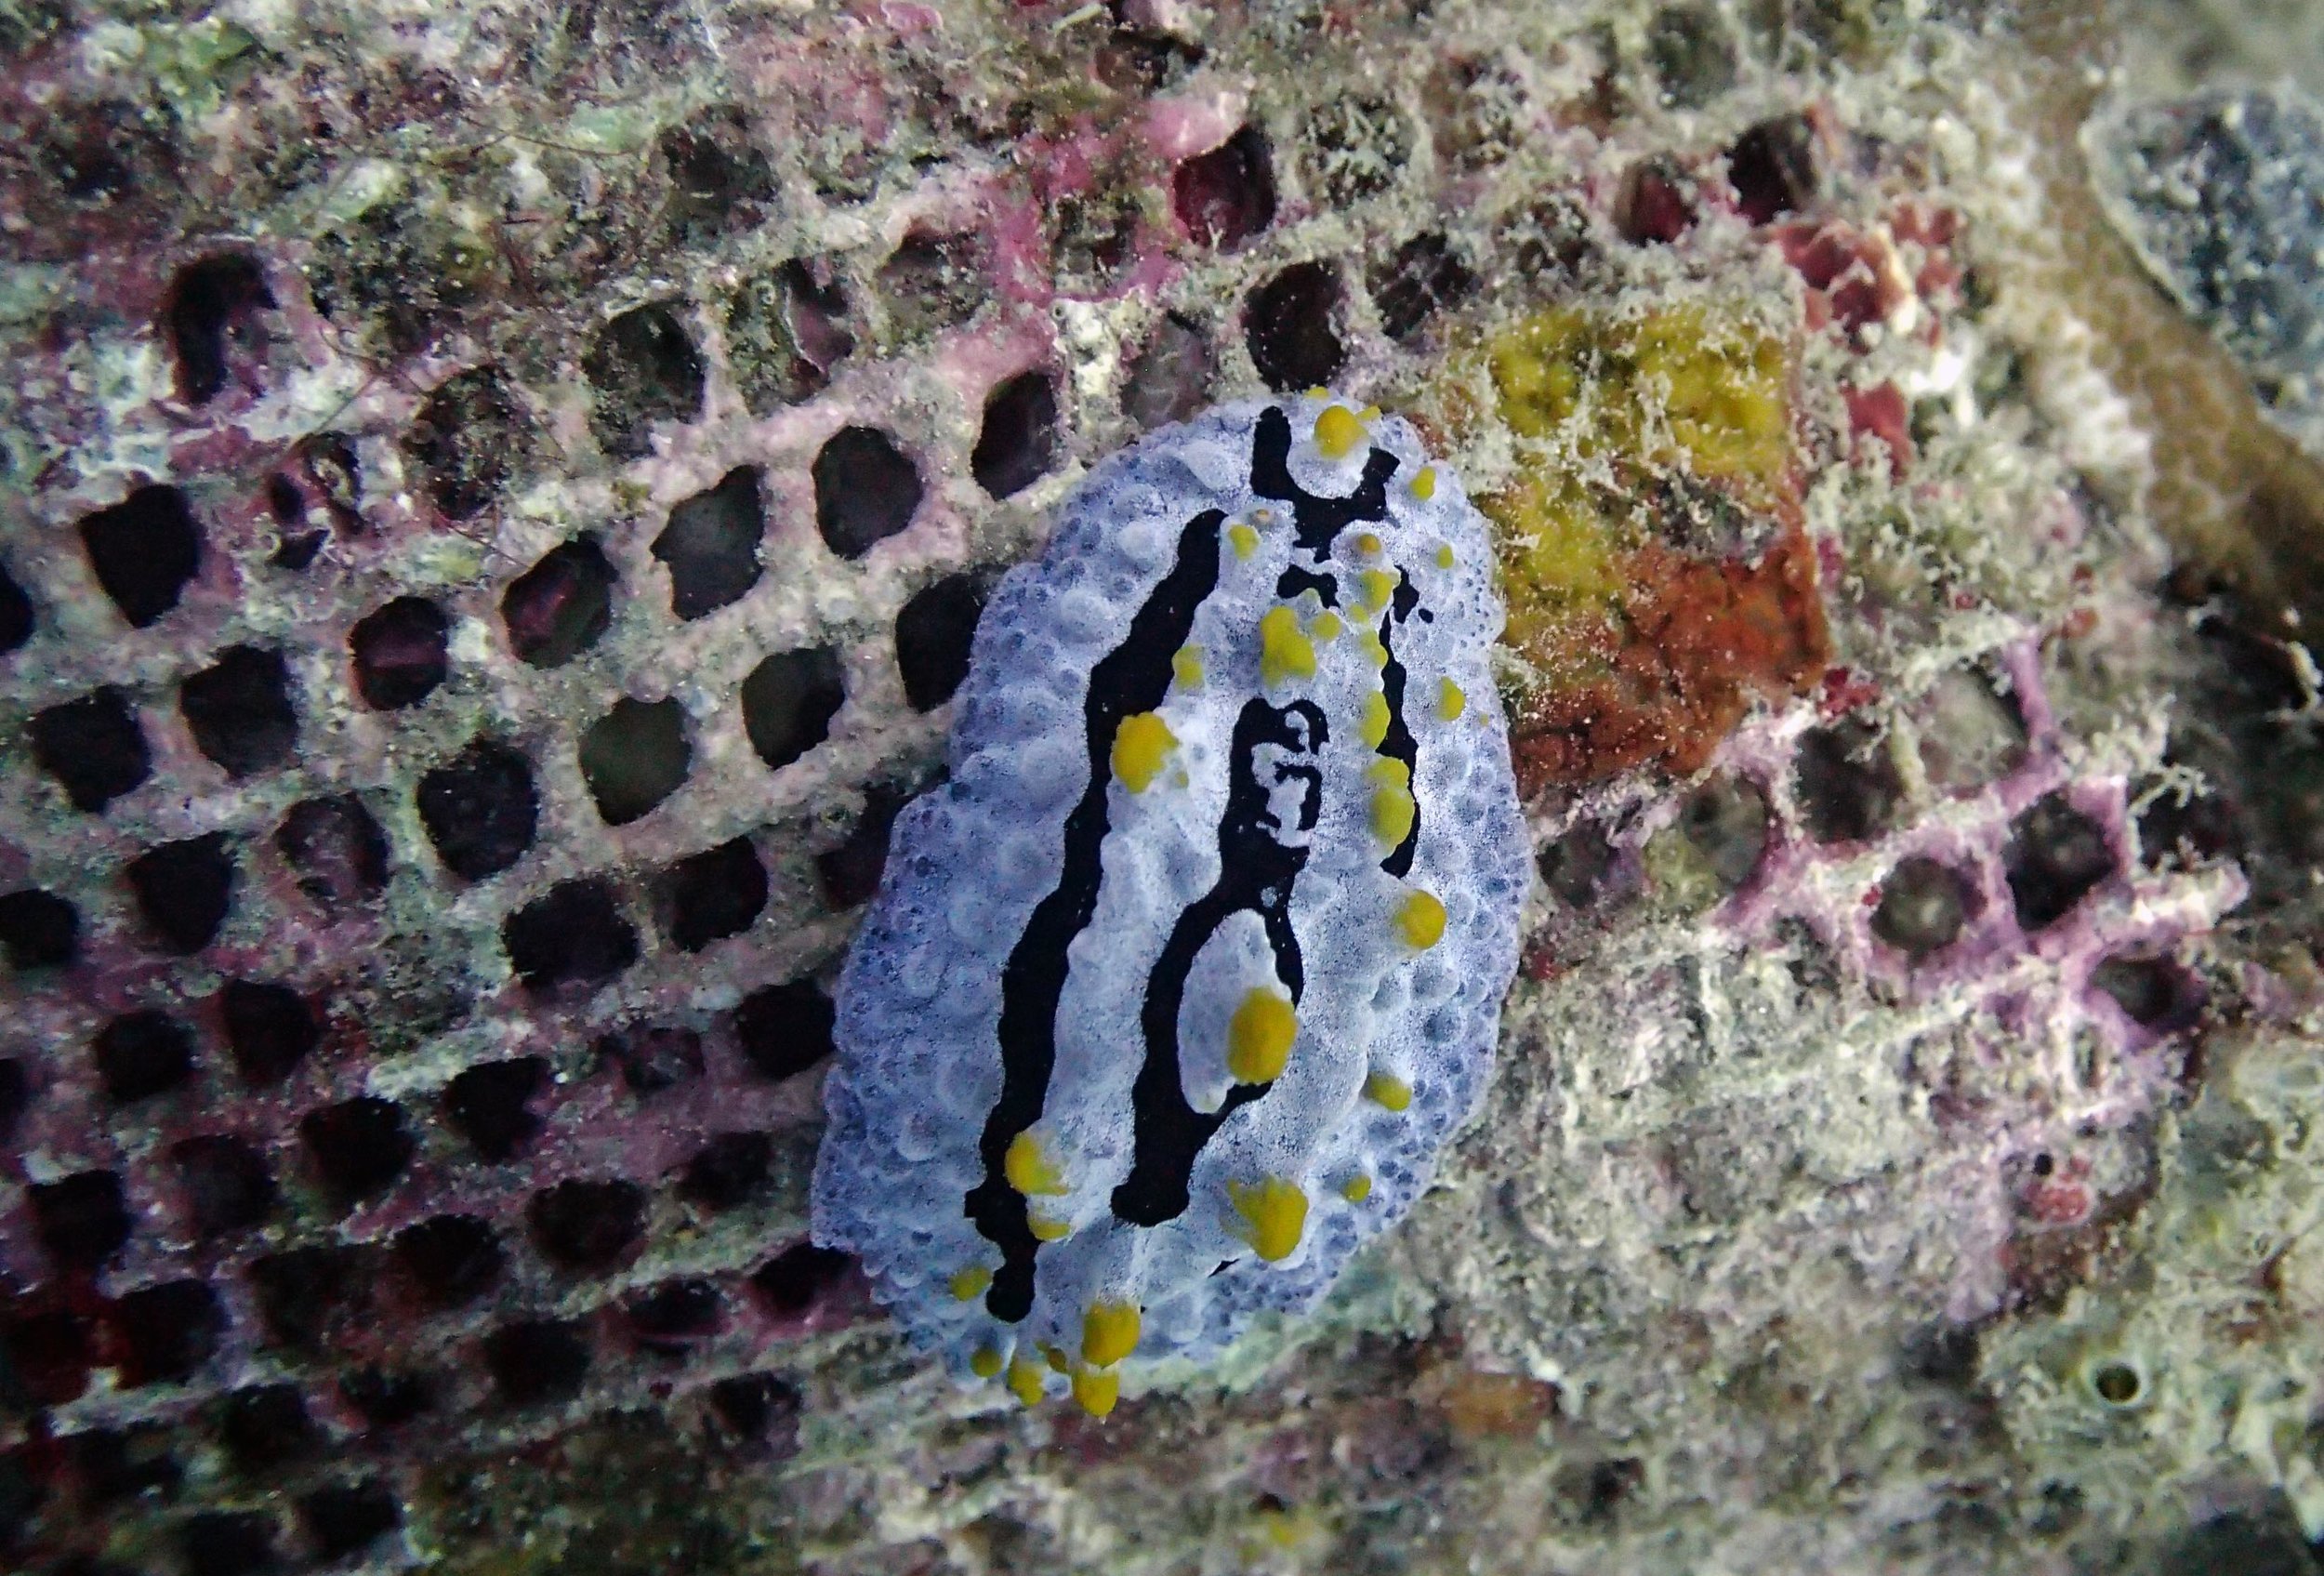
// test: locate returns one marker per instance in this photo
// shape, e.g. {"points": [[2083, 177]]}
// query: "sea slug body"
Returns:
{"points": [[1172, 992]]}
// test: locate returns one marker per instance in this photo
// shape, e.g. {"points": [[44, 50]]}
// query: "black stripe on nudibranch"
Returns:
{"points": [[1296, 579], [1318, 521], [1259, 862], [1398, 743], [1132, 678]]}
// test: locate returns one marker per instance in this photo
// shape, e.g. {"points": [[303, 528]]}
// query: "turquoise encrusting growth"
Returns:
{"points": [[1174, 991]]}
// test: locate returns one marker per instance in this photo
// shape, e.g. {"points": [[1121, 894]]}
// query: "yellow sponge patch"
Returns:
{"points": [[1275, 1215], [1327, 627], [1259, 1038], [1029, 1168], [1372, 727], [1109, 1333], [969, 1284], [1378, 587], [1140, 745], [1284, 651], [1451, 701], [1420, 920], [1424, 482], [1337, 432], [1186, 667], [1392, 808], [1356, 1188], [1097, 1392], [1388, 1091], [1243, 539]]}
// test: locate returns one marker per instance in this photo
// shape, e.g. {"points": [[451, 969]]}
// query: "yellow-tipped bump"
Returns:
{"points": [[1096, 1391], [1387, 1092], [1275, 1215], [1326, 626], [1109, 1333], [1186, 667], [1338, 431], [1424, 482], [1025, 1381], [1356, 1188], [1392, 808], [1029, 1168], [1284, 652], [1373, 648], [1054, 1354], [1372, 727], [1451, 701], [969, 1284], [1259, 1038], [1444, 559], [1367, 544], [1243, 539], [1047, 1228], [985, 1362], [1140, 745], [1380, 588], [1420, 920]]}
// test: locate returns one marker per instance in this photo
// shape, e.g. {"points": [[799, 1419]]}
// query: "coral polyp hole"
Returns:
{"points": [[789, 701], [670, 1316], [2117, 1383], [93, 746], [796, 1278], [2054, 858], [536, 1361], [1726, 822], [466, 441], [634, 757], [227, 1183], [143, 1053], [712, 894], [239, 710], [51, 1352], [574, 933], [849, 873], [746, 1408], [267, 1427], [167, 1331], [1848, 787], [184, 890], [785, 1029], [643, 368], [934, 632], [1923, 904], [336, 850], [728, 1171], [479, 809], [341, 1519], [16, 1095], [1772, 169], [866, 490], [562, 606], [1419, 280], [451, 1259], [784, 332], [652, 1057], [300, 1289], [359, 1146], [1017, 443], [387, 1398], [80, 1220], [39, 930], [1654, 207], [1290, 326], [1168, 379], [214, 309], [1227, 196], [270, 1030], [2153, 992], [587, 1226], [710, 545], [400, 652], [222, 1543], [489, 1105], [143, 551], [16, 613]]}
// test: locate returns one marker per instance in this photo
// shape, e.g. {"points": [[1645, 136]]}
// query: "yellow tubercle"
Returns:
{"points": [[1356, 1188], [969, 1284], [1424, 482], [1369, 644], [1054, 1354], [1444, 559], [1326, 626], [1319, 392], [1025, 1381], [1140, 745], [1109, 1333], [1420, 920], [1387, 1092], [1284, 651], [1047, 1228], [1451, 701], [1369, 415], [1372, 727], [1096, 1391], [1275, 1215], [1368, 545], [1392, 807], [985, 1362], [1186, 667], [1378, 587], [1243, 539], [1029, 1168], [1338, 431], [1259, 1038]]}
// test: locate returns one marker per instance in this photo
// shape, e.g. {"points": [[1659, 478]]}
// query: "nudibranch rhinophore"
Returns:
{"points": [[1171, 994]]}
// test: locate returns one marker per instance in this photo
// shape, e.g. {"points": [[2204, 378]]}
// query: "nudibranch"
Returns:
{"points": [[1174, 989]]}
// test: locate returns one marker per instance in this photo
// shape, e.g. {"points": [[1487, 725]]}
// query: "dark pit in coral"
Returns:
{"points": [[141, 1053], [227, 1543], [93, 746], [214, 308], [490, 1104], [1726, 821], [337, 851], [2154, 993], [1017, 443], [166, 1331], [644, 368], [789, 701], [749, 1406], [16, 613], [934, 630], [401, 651], [466, 441], [1168, 379], [711, 545], [143, 551], [1847, 786], [1580, 867], [1772, 169], [931, 283], [300, 1289], [1923, 904], [452, 1259], [574, 932], [1416, 282], [270, 1030], [1290, 326], [39, 930], [359, 1146], [848, 873], [587, 1225], [1693, 54], [386, 1397], [793, 1279], [80, 1220], [674, 1312], [2054, 858], [719, 178], [634, 757], [226, 1182], [1654, 207], [728, 1171], [239, 710], [707, 897], [562, 606], [535, 1361], [866, 490], [184, 890], [652, 1057], [783, 1029], [479, 809], [784, 332], [267, 1428], [342, 1519], [1227, 196]]}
